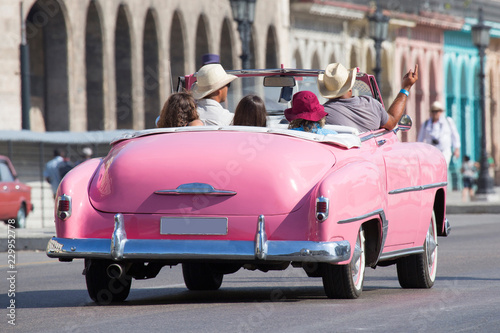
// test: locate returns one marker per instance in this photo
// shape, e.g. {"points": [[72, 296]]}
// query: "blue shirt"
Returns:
{"points": [[316, 130], [52, 172]]}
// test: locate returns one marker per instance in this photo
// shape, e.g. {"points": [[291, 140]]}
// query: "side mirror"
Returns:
{"points": [[405, 123]]}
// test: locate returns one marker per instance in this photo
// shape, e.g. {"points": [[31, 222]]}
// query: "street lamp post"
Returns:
{"points": [[378, 26], [25, 75], [481, 39], [244, 14]]}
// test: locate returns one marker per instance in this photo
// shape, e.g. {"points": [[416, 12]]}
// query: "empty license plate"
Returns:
{"points": [[193, 226]]}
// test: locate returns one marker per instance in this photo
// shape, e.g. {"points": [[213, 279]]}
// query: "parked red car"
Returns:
{"points": [[15, 196]]}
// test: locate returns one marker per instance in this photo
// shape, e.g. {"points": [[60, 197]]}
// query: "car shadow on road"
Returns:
{"points": [[63, 298]]}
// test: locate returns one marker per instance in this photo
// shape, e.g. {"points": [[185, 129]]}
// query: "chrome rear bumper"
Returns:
{"points": [[120, 248]]}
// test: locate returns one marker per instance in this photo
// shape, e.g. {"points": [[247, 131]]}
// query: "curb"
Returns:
{"points": [[477, 208]]}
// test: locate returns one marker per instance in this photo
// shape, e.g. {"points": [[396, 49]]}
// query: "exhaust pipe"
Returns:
{"points": [[115, 271]]}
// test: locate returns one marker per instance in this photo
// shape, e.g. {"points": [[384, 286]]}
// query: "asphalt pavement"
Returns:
{"points": [[37, 233]]}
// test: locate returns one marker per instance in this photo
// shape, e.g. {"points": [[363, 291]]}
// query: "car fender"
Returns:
{"points": [[356, 194], [84, 221]]}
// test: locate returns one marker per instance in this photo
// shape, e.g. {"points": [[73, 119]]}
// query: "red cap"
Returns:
{"points": [[305, 105]]}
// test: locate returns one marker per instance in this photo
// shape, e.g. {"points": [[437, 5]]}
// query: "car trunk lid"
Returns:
{"points": [[209, 173]]}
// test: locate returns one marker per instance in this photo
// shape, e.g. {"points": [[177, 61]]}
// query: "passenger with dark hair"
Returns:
{"points": [[178, 111], [251, 111]]}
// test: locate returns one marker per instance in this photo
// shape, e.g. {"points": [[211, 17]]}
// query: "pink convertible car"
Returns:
{"points": [[219, 199]]}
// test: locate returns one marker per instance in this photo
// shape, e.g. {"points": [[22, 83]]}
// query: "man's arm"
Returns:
{"points": [[397, 107]]}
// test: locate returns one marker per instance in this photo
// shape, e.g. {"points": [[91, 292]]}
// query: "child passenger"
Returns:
{"points": [[307, 114], [178, 111], [251, 111]]}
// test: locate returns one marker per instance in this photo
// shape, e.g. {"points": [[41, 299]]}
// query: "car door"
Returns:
{"points": [[9, 195], [403, 197]]}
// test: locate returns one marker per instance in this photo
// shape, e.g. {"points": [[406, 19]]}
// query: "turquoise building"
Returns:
{"points": [[462, 93]]}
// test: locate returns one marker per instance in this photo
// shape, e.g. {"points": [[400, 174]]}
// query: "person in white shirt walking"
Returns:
{"points": [[441, 132], [210, 90]]}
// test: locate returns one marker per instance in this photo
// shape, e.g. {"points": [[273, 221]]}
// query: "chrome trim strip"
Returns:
{"points": [[261, 239], [195, 188], [401, 253], [385, 225], [144, 249], [418, 188], [368, 137], [362, 217], [374, 135]]}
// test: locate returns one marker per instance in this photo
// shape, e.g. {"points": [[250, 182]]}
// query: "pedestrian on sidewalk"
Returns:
{"points": [[469, 171], [441, 132], [51, 172]]}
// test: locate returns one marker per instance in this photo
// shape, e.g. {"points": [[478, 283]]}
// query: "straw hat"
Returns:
{"points": [[437, 106], [210, 78], [305, 105], [336, 81]]}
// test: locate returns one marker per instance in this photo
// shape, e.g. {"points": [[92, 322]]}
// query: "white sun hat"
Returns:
{"points": [[437, 106], [210, 78], [336, 81]]}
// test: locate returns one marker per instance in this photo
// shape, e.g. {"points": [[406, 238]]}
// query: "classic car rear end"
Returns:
{"points": [[219, 199]]}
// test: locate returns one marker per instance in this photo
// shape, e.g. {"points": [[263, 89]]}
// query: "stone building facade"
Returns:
{"points": [[109, 64]]}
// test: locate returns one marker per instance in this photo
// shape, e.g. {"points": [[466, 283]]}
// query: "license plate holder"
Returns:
{"points": [[193, 226]]}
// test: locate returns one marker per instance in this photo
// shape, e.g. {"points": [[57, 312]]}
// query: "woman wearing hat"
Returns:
{"points": [[307, 114], [210, 89], [362, 112]]}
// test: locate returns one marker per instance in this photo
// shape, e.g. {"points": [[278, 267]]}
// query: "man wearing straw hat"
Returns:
{"points": [[441, 132], [362, 112], [210, 89]]}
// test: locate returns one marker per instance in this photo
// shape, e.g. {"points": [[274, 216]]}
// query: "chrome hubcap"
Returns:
{"points": [[431, 246], [358, 268]]}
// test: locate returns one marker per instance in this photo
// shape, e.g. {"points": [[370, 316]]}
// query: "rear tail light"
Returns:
{"points": [[64, 207], [322, 208]]}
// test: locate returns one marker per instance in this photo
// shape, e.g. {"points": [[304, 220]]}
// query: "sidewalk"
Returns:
{"points": [[36, 236]]}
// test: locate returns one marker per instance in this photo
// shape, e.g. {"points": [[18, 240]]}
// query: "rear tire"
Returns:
{"points": [[20, 220], [346, 281], [201, 276], [419, 270], [103, 289]]}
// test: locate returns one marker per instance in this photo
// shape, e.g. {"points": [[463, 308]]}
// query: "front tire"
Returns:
{"points": [[20, 221], [346, 281], [103, 289], [419, 270], [201, 276]]}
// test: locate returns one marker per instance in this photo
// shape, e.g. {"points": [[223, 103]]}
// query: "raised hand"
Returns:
{"points": [[410, 78]]}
